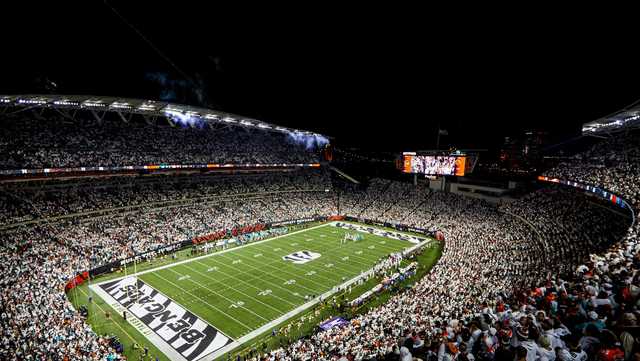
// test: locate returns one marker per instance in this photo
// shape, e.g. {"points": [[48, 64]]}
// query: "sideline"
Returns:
{"points": [[269, 326], [252, 334]]}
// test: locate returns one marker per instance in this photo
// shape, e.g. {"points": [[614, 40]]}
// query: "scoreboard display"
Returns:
{"points": [[434, 164]]}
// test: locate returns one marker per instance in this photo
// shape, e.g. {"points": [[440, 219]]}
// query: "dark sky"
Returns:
{"points": [[373, 78]]}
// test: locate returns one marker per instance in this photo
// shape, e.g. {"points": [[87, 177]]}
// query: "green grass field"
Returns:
{"points": [[244, 288]]}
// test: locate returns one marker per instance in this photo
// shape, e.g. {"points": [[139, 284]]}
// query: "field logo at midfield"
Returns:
{"points": [[301, 257]]}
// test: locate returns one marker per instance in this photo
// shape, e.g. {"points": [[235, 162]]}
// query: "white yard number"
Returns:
{"points": [[383, 242], [211, 269], [358, 252], [237, 261], [371, 247], [277, 249], [257, 255], [264, 293], [310, 273], [345, 258], [185, 277], [329, 265], [237, 304], [294, 244], [290, 282]]}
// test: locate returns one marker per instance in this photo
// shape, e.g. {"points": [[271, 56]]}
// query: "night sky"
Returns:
{"points": [[375, 79]]}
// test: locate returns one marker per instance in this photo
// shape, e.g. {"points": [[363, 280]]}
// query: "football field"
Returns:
{"points": [[201, 307]]}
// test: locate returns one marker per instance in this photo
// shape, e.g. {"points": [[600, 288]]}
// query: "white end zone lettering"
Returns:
{"points": [[177, 332], [379, 232]]}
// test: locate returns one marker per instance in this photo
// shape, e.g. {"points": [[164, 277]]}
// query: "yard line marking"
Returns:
{"points": [[366, 260], [391, 250], [333, 250], [237, 304], [264, 328], [311, 230], [293, 268], [280, 269], [205, 302], [212, 254], [324, 250], [230, 276], [221, 295], [246, 272], [237, 290]]}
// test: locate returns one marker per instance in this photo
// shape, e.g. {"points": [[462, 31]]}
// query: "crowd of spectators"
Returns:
{"points": [[46, 199], [37, 320], [27, 142], [550, 276], [541, 278]]}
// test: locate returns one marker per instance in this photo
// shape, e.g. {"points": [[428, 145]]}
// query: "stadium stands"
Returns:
{"points": [[550, 276], [62, 142]]}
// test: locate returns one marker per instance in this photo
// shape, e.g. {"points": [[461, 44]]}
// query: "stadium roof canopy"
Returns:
{"points": [[628, 117], [98, 105]]}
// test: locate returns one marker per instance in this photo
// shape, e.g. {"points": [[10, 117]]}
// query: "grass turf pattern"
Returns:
{"points": [[231, 290], [241, 290]]}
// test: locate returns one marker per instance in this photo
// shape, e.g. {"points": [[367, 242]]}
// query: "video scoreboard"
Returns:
{"points": [[434, 164]]}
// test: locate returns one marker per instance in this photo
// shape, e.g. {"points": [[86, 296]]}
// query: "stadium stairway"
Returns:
{"points": [[345, 175]]}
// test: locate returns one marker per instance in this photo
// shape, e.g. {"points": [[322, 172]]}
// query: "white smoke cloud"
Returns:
{"points": [[184, 119], [309, 141]]}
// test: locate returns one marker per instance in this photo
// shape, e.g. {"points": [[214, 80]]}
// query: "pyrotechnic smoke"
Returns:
{"points": [[184, 119], [309, 141]]}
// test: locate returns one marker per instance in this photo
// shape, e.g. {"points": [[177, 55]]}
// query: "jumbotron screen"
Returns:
{"points": [[434, 164]]}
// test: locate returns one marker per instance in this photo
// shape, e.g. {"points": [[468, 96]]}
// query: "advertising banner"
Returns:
{"points": [[334, 322]]}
